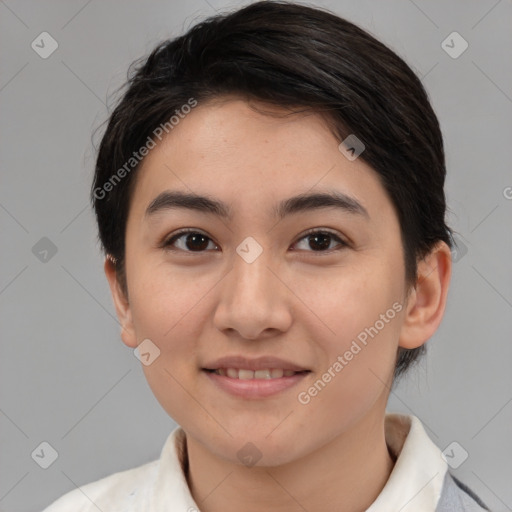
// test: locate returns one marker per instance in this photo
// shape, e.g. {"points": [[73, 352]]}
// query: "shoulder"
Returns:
{"points": [[114, 493], [456, 496]]}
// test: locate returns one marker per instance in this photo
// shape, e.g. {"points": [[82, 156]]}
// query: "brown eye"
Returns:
{"points": [[188, 241], [320, 241]]}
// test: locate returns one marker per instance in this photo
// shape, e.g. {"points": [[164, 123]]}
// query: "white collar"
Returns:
{"points": [[171, 486], [415, 484]]}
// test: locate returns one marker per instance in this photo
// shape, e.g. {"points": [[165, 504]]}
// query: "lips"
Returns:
{"points": [[253, 385], [256, 378]]}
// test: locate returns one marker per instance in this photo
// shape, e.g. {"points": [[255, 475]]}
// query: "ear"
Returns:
{"points": [[121, 303], [427, 300]]}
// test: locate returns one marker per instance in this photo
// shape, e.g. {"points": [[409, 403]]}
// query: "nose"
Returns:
{"points": [[253, 300]]}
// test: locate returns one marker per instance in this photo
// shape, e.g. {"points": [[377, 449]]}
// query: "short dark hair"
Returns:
{"points": [[296, 56]]}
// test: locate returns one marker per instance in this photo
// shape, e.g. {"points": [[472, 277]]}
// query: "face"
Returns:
{"points": [[320, 287]]}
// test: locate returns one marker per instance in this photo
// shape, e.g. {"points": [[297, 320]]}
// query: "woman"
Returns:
{"points": [[269, 196]]}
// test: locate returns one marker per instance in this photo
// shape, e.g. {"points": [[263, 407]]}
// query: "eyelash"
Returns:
{"points": [[167, 244]]}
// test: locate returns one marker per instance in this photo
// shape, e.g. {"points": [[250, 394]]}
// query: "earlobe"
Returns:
{"points": [[121, 304], [427, 302]]}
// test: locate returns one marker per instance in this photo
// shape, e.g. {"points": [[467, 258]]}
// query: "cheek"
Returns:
{"points": [[165, 304], [168, 309], [170, 321], [355, 325], [342, 303]]}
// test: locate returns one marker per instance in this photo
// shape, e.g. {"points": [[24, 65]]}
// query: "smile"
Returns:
{"points": [[267, 373], [251, 384]]}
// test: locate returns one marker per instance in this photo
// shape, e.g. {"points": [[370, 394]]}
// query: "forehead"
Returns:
{"points": [[230, 151]]}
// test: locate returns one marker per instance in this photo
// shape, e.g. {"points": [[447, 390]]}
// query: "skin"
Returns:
{"points": [[299, 304]]}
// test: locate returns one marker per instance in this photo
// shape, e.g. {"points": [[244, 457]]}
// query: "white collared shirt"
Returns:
{"points": [[415, 484]]}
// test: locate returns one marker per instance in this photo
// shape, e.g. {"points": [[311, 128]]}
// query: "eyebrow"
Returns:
{"points": [[170, 200]]}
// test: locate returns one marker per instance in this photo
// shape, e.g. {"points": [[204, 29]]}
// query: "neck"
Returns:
{"points": [[346, 474]]}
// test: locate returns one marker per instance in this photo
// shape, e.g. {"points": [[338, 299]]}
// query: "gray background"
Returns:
{"points": [[65, 376]]}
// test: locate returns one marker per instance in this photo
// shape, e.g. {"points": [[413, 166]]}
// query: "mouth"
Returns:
{"points": [[254, 384]]}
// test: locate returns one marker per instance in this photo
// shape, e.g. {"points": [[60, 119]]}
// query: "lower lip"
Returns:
{"points": [[254, 388]]}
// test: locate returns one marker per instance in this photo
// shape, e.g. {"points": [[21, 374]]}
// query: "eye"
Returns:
{"points": [[320, 240], [190, 241]]}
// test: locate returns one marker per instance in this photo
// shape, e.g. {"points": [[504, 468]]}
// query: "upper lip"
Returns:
{"points": [[260, 363]]}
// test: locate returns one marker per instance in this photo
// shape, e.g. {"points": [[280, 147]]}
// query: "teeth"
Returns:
{"points": [[245, 374], [267, 373], [262, 374]]}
